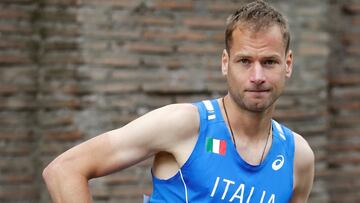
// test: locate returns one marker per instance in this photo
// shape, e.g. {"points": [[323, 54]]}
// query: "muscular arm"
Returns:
{"points": [[303, 170], [67, 176]]}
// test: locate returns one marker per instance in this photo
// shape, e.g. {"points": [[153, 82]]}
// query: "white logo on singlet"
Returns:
{"points": [[278, 163]]}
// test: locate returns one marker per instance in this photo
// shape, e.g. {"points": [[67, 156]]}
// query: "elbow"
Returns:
{"points": [[51, 171]]}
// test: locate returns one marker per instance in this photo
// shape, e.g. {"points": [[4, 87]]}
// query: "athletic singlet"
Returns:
{"points": [[215, 172]]}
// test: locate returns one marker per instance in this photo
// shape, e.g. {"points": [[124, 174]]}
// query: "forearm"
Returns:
{"points": [[66, 187]]}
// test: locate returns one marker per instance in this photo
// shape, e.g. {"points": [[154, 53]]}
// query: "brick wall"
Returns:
{"points": [[72, 69], [18, 106], [344, 103]]}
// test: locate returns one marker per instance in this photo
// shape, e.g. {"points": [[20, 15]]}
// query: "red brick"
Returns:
{"points": [[354, 50], [345, 121], [56, 120], [58, 73], [355, 21], [339, 196], [14, 59], [180, 35], [9, 120], [174, 5], [168, 87], [113, 3], [297, 114], [16, 103], [350, 38], [129, 191], [71, 103], [15, 29], [62, 58], [10, 13], [123, 179], [149, 48], [63, 16], [344, 133], [16, 136], [64, 2], [15, 88], [17, 1], [68, 88], [123, 119], [313, 50], [117, 61], [120, 103], [315, 37], [345, 93], [101, 193], [346, 159], [218, 37], [115, 87], [63, 135], [313, 11], [343, 147], [60, 46], [199, 49], [204, 22], [113, 34], [13, 44], [95, 46], [18, 193], [169, 63], [16, 178], [67, 32], [227, 7], [154, 101], [352, 8], [349, 105], [219, 87], [156, 20], [345, 79], [53, 148], [12, 150]]}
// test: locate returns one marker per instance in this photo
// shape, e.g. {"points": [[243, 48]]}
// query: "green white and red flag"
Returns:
{"points": [[216, 146]]}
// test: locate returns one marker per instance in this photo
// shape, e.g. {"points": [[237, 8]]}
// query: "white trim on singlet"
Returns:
{"points": [[186, 192], [279, 128], [210, 108]]}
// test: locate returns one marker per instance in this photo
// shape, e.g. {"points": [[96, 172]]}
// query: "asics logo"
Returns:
{"points": [[278, 163]]}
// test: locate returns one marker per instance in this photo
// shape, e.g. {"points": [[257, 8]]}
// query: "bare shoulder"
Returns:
{"points": [[179, 116], [304, 155], [171, 124], [304, 165]]}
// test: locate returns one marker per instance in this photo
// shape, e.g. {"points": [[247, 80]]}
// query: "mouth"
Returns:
{"points": [[258, 90]]}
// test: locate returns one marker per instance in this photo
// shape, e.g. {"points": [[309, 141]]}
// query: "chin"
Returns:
{"points": [[257, 107]]}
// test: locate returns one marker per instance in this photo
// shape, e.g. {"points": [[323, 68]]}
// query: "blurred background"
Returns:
{"points": [[72, 69]]}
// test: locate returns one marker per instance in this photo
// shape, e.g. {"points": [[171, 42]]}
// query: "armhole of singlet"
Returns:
{"points": [[290, 145], [203, 117]]}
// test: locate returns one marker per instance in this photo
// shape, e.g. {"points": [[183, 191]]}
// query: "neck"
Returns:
{"points": [[254, 125]]}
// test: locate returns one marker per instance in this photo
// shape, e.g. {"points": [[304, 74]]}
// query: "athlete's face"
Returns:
{"points": [[257, 68]]}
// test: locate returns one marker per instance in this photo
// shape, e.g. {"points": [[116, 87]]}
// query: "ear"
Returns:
{"points": [[224, 62], [289, 64]]}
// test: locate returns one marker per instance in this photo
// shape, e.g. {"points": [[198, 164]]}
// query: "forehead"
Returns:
{"points": [[266, 41]]}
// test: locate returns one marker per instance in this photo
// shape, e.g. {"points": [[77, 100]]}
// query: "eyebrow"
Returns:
{"points": [[275, 56]]}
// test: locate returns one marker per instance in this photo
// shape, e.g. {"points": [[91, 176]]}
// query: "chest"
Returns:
{"points": [[218, 171]]}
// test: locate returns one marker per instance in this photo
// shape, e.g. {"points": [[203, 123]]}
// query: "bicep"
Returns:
{"points": [[123, 147], [304, 170]]}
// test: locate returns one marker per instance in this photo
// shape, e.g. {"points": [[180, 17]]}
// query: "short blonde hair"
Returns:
{"points": [[257, 15]]}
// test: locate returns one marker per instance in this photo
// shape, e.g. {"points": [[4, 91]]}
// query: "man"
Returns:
{"points": [[223, 150]]}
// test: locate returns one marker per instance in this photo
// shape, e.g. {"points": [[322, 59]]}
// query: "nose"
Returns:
{"points": [[257, 75]]}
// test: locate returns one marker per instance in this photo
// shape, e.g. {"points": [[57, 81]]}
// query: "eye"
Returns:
{"points": [[270, 62], [244, 61]]}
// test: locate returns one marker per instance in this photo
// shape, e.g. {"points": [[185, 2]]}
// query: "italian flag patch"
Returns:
{"points": [[215, 146]]}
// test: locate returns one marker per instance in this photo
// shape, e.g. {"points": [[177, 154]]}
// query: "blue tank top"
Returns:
{"points": [[215, 172]]}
